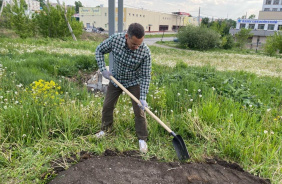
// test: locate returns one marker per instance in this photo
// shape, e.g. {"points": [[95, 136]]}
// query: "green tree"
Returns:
{"points": [[273, 43], [53, 24], [201, 38], [77, 5], [21, 22], [205, 22], [253, 16], [242, 37]]}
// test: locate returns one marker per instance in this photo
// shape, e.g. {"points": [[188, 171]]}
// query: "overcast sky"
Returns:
{"points": [[208, 8]]}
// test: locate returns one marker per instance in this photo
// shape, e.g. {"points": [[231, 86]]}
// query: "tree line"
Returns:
{"points": [[49, 22]]}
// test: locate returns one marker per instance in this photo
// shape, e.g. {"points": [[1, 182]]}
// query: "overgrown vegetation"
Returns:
{"points": [[273, 44], [242, 37], [50, 22], [232, 114], [200, 38]]}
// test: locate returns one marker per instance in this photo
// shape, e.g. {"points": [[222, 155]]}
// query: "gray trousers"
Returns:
{"points": [[110, 101]]}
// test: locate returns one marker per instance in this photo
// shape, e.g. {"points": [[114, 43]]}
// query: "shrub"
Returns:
{"points": [[227, 42], [242, 37], [200, 38], [273, 43]]}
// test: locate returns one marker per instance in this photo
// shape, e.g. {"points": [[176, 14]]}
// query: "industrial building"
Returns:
{"points": [[150, 20]]}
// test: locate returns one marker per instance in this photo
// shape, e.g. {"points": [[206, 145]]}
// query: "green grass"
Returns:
{"points": [[226, 113], [159, 35]]}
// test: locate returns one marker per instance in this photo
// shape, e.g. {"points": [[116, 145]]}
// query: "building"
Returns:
{"points": [[150, 20], [269, 21], [31, 4]]}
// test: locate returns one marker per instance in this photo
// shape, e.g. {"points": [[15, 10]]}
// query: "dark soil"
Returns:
{"points": [[128, 167]]}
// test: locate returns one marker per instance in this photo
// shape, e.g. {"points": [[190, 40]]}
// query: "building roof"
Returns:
{"points": [[181, 13]]}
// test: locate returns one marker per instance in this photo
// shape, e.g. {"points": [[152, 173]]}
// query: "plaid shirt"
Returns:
{"points": [[129, 67]]}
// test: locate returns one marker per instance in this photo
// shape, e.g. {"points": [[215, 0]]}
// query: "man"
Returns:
{"points": [[132, 68]]}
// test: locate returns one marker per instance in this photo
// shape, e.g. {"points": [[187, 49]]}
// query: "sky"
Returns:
{"points": [[231, 9]]}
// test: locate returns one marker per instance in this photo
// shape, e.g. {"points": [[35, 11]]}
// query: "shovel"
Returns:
{"points": [[177, 141]]}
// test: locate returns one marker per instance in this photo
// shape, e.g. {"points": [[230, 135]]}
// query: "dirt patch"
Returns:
{"points": [[128, 167]]}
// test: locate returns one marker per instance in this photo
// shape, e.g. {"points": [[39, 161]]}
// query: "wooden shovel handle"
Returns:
{"points": [[138, 102]]}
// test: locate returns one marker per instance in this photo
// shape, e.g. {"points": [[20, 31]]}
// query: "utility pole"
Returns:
{"points": [[111, 21], [199, 23], [2, 6]]}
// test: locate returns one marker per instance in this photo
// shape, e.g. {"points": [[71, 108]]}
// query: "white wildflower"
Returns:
{"points": [[5, 107], [213, 88], [265, 131], [272, 132], [178, 94], [191, 100], [189, 110], [200, 96], [199, 90], [24, 135], [268, 110]]}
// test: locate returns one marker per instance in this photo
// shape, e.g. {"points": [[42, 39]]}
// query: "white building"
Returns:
{"points": [[269, 21], [31, 4], [150, 20]]}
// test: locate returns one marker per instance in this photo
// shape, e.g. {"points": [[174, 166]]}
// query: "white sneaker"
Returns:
{"points": [[100, 134], [143, 146]]}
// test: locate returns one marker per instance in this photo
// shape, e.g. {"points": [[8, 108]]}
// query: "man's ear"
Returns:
{"points": [[126, 35]]}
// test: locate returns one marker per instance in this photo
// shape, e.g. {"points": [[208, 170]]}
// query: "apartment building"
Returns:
{"points": [[31, 4], [150, 20], [269, 21]]}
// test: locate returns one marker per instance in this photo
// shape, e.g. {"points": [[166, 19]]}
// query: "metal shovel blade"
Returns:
{"points": [[180, 148]]}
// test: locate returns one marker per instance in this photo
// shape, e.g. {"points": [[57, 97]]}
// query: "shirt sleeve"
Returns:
{"points": [[145, 76], [102, 49]]}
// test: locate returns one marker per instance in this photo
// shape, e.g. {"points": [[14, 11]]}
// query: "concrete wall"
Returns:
{"points": [[270, 15]]}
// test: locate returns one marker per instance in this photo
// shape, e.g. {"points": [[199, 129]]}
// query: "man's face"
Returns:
{"points": [[133, 43]]}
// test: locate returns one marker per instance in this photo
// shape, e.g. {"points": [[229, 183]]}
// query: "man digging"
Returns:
{"points": [[132, 68]]}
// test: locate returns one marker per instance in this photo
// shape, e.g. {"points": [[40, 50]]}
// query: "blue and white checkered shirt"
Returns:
{"points": [[129, 67]]}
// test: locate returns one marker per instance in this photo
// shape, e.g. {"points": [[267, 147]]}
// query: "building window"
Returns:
{"points": [[268, 2], [276, 2], [105, 14], [261, 26], [106, 25], [242, 26], [129, 14], [136, 15], [280, 9], [274, 9], [133, 14], [144, 15], [279, 27], [270, 26], [251, 26], [266, 9]]}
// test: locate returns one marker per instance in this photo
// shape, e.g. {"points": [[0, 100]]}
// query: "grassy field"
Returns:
{"points": [[224, 105]]}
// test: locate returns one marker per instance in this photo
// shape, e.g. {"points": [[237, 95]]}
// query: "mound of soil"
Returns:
{"points": [[130, 168]]}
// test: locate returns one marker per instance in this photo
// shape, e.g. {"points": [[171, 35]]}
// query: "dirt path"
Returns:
{"points": [[127, 168]]}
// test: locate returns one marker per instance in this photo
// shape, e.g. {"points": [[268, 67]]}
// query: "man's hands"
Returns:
{"points": [[144, 104], [106, 74]]}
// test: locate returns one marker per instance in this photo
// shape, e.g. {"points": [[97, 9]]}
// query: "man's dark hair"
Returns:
{"points": [[136, 29]]}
